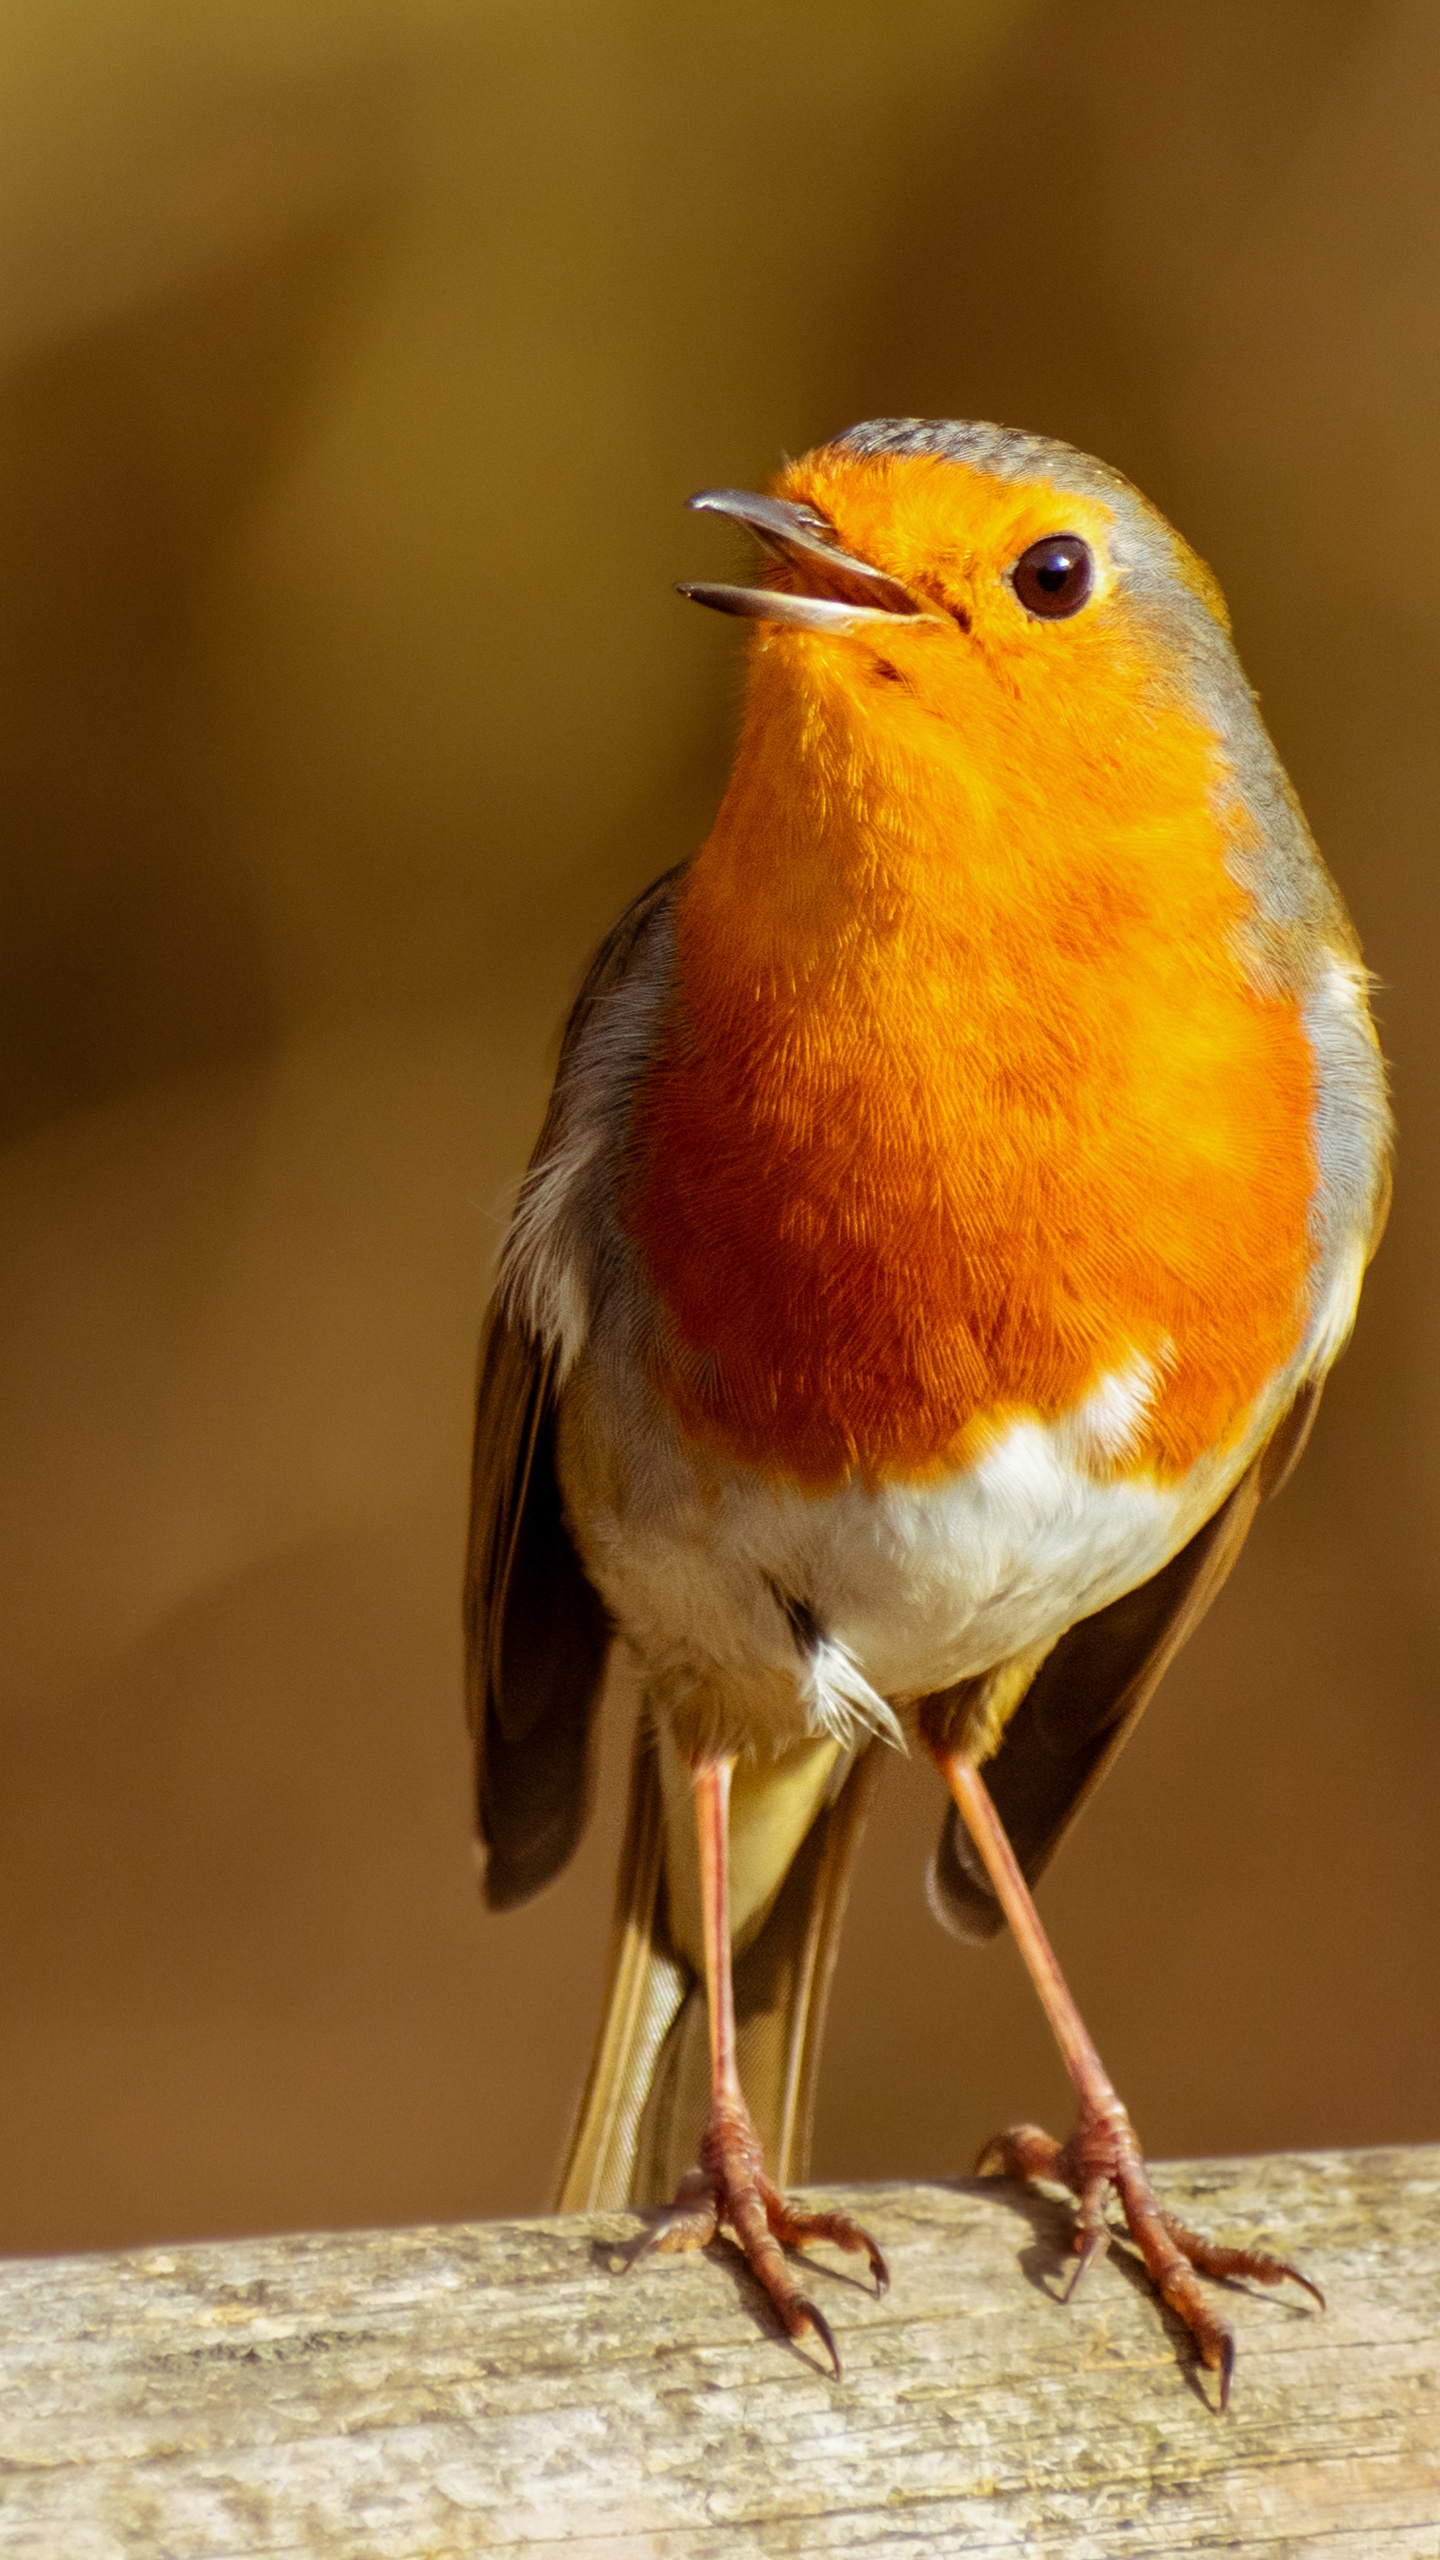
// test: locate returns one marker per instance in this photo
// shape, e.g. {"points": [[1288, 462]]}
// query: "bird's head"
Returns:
{"points": [[972, 575], [998, 658]]}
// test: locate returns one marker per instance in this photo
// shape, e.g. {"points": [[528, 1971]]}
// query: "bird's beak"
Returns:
{"points": [[804, 540]]}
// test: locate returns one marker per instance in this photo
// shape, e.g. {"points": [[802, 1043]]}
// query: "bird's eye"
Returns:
{"points": [[1054, 577]]}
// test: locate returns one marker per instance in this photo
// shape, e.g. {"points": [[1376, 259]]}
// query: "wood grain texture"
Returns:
{"points": [[415, 2395]]}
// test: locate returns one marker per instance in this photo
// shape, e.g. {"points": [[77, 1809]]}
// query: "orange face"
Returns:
{"points": [[967, 1100]]}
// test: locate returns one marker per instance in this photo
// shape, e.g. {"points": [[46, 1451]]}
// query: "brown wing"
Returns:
{"points": [[1091, 1690], [537, 1638], [536, 1634]]}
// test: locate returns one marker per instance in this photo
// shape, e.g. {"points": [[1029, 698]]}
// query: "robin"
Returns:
{"points": [[956, 1186]]}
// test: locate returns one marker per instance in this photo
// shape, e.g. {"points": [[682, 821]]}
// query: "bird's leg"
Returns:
{"points": [[1102, 2152], [728, 2183]]}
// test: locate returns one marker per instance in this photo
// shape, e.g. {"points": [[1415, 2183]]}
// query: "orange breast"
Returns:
{"points": [[965, 1100]]}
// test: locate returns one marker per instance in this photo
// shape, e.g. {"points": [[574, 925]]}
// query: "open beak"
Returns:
{"points": [[804, 541]]}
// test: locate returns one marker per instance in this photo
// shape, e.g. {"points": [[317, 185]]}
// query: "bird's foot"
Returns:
{"points": [[728, 2185], [1103, 2156]]}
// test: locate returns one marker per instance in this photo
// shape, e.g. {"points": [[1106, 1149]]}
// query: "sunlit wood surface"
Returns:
{"points": [[499, 2387]]}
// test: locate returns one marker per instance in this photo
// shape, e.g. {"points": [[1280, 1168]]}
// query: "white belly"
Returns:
{"points": [[911, 1586]]}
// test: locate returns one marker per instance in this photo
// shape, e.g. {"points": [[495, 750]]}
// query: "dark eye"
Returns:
{"points": [[1055, 576]]}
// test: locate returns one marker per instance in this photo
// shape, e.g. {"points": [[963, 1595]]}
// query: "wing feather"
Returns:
{"points": [[537, 1637]]}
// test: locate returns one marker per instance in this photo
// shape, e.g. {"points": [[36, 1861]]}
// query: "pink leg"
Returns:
{"points": [[728, 2183], [1102, 2152]]}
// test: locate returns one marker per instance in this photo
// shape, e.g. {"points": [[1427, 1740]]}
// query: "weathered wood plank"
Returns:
{"points": [[422, 2395]]}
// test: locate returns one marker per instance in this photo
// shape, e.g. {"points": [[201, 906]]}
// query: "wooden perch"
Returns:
{"points": [[414, 2395]]}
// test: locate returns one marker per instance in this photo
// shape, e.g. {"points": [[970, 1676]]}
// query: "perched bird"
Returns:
{"points": [[957, 1183]]}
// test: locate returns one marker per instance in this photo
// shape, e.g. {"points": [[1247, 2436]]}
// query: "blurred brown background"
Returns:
{"points": [[357, 359]]}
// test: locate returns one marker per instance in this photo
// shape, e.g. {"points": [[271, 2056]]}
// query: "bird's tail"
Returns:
{"points": [[794, 1825]]}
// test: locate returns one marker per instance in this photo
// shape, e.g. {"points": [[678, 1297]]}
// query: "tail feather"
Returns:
{"points": [[643, 2110], [644, 1995]]}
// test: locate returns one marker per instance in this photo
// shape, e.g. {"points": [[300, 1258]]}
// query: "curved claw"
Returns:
{"points": [[1258, 2267], [1227, 2370], [807, 2316], [1262, 2268], [1091, 2243]]}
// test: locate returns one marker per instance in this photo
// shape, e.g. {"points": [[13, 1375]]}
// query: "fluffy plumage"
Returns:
{"points": [[972, 1093], [956, 1175]]}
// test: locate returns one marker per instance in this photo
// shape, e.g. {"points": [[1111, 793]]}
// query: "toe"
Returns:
{"points": [[692, 2229], [796, 2228], [1238, 2266], [1213, 2336], [1026, 2151], [690, 2223], [728, 2186]]}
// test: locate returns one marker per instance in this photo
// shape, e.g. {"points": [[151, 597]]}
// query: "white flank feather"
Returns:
{"points": [[839, 1699]]}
